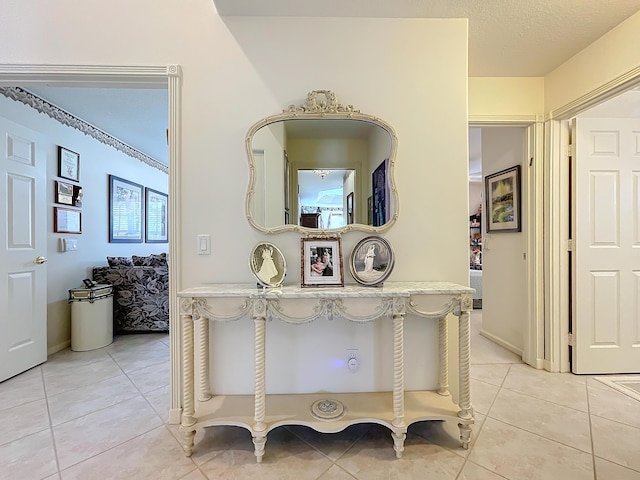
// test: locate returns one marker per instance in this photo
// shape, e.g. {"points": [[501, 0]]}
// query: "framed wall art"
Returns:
{"points": [[380, 190], [371, 261], [68, 194], [67, 220], [68, 164], [125, 211], [321, 262], [502, 192], [156, 208], [268, 264]]}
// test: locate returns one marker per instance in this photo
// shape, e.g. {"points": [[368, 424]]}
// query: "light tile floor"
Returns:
{"points": [[102, 414]]}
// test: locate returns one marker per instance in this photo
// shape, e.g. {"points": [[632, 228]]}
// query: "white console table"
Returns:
{"points": [[327, 413]]}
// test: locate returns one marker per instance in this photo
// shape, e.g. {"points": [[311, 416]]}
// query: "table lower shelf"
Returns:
{"points": [[296, 409]]}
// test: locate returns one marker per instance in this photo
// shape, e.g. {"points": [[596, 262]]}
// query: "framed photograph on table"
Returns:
{"points": [[156, 208], [502, 191], [68, 164], [67, 220], [371, 261], [268, 264], [321, 261], [125, 211]]}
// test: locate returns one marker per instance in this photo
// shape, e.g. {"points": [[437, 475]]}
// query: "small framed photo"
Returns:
{"points": [[156, 206], [268, 264], [502, 191], [68, 164], [67, 220], [321, 262], [68, 194], [371, 261]]}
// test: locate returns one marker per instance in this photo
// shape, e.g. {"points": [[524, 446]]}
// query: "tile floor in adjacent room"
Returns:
{"points": [[107, 420]]}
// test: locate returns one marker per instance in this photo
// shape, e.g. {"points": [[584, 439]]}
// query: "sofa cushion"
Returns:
{"points": [[140, 297], [153, 260], [119, 262]]}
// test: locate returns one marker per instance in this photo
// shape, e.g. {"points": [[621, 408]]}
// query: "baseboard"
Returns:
{"points": [[174, 416], [502, 343], [59, 347]]}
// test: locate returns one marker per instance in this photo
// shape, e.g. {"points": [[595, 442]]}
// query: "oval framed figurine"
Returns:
{"points": [[268, 265], [371, 261]]}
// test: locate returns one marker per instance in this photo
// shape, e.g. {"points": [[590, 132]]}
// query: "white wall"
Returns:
{"points": [[506, 96], [240, 70], [504, 286], [614, 54], [97, 161]]}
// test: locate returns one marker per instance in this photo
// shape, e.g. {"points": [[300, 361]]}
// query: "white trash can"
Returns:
{"points": [[91, 317]]}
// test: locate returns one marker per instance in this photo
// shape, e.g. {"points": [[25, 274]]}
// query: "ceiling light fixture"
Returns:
{"points": [[321, 173]]}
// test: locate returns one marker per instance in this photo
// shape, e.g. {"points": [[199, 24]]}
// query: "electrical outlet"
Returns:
{"points": [[352, 360]]}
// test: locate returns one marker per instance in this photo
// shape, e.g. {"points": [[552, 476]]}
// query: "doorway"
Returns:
{"points": [[130, 76], [510, 261]]}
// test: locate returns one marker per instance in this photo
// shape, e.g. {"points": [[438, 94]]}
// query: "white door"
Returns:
{"points": [[23, 278], [606, 232]]}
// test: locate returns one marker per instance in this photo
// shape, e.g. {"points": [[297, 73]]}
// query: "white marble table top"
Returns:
{"points": [[389, 289]]}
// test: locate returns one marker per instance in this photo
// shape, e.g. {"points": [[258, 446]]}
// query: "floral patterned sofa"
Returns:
{"points": [[140, 292]]}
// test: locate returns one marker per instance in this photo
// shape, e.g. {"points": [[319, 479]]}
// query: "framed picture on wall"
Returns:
{"points": [[321, 262], [67, 220], [68, 194], [156, 209], [502, 194], [125, 211], [68, 164], [380, 194]]}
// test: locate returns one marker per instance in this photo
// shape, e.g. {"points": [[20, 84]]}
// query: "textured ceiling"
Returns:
{"points": [[507, 38]]}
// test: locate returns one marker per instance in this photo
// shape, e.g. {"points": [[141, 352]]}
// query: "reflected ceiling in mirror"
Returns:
{"points": [[352, 155]]}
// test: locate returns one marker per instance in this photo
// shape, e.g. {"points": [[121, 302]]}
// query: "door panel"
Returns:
{"points": [[23, 287], [606, 309]]}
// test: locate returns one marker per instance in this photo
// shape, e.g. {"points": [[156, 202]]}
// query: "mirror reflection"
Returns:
{"points": [[328, 172]]}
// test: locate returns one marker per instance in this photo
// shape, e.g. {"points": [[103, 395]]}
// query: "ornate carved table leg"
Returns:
{"points": [[259, 427], [398, 375], [187, 424], [204, 392], [443, 347], [466, 412]]}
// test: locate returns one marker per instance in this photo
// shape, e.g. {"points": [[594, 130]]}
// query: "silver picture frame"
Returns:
{"points": [[371, 261], [268, 265]]}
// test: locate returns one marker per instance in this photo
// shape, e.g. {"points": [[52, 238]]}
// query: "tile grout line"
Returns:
{"points": [[593, 451], [53, 437]]}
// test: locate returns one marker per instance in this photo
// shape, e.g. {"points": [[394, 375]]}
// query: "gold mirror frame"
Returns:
{"points": [[322, 104]]}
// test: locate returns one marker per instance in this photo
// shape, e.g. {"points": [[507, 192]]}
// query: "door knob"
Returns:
{"points": [[40, 260]]}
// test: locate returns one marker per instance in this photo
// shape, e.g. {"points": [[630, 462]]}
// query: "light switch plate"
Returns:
{"points": [[204, 245]]}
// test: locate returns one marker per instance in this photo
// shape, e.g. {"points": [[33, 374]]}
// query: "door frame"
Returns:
{"points": [[556, 216], [132, 76], [533, 352]]}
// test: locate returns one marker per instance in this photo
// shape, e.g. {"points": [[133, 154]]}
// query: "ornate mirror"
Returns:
{"points": [[321, 166]]}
